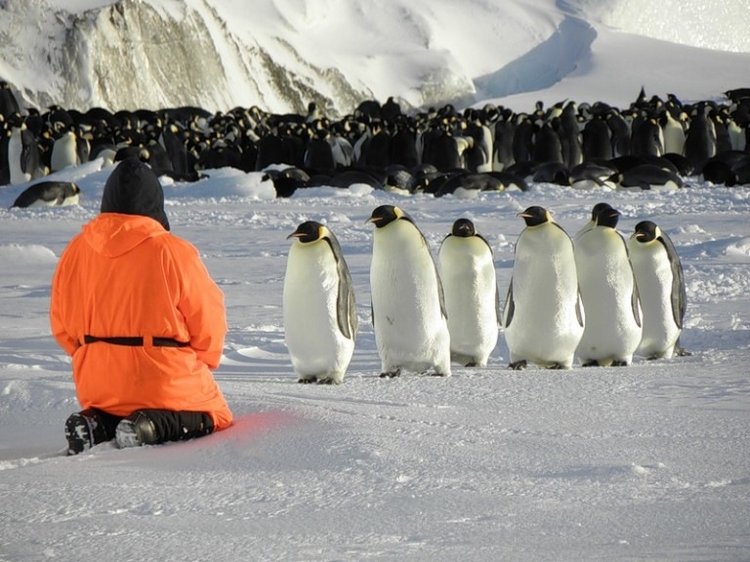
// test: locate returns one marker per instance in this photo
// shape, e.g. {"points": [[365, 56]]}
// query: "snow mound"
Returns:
{"points": [[223, 182], [26, 254], [739, 248]]}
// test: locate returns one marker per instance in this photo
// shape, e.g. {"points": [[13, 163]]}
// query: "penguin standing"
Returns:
{"points": [[609, 293], [700, 138], [658, 272], [320, 319], [408, 312], [64, 151], [18, 156], [467, 271], [543, 317]]}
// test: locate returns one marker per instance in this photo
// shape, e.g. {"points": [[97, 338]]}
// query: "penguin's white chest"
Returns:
{"points": [[654, 278], [15, 152], [467, 272], [64, 152], [607, 284], [545, 326], [410, 328], [315, 342]]}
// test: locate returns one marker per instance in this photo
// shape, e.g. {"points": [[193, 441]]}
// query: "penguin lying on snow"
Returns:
{"points": [[320, 317], [649, 176], [49, 193], [543, 316], [408, 311], [608, 291], [467, 271], [658, 272]]}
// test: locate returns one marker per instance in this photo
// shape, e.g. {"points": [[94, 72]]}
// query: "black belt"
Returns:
{"points": [[136, 341]]}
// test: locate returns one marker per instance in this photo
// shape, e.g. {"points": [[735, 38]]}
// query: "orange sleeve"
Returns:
{"points": [[202, 305], [57, 313]]}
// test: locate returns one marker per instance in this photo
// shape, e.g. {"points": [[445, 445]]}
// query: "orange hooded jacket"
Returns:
{"points": [[124, 275]]}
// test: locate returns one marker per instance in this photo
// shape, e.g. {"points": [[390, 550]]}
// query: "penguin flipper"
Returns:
{"points": [[498, 311], [635, 303], [679, 293], [346, 313], [579, 310], [510, 307]]}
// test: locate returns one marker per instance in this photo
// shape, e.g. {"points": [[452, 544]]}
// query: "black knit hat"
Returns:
{"points": [[134, 189]]}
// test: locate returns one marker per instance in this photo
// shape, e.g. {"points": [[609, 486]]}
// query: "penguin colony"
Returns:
{"points": [[599, 297], [653, 143]]}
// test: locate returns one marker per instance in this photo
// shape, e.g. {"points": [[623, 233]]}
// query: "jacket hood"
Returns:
{"points": [[134, 189], [115, 234]]}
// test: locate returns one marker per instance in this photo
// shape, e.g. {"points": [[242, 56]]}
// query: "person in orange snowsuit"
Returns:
{"points": [[143, 321]]}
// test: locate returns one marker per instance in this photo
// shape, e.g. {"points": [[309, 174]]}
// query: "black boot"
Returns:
{"points": [[149, 427], [87, 428]]}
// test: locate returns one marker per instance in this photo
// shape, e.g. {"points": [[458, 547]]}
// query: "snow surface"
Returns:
{"points": [[649, 462]]}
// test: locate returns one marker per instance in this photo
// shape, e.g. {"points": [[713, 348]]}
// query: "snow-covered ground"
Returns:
{"points": [[648, 462]]}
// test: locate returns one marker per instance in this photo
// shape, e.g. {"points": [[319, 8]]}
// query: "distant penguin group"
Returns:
{"points": [[596, 297], [652, 143]]}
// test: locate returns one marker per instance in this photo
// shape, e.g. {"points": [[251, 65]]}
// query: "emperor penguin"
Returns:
{"points": [[320, 318], [674, 134], [50, 194], [64, 151], [17, 155], [408, 309], [658, 272], [543, 317], [609, 293], [467, 271]]}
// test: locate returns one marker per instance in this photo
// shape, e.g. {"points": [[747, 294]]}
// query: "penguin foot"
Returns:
{"points": [[471, 364], [390, 374], [518, 365], [619, 363], [682, 352], [590, 363], [308, 380], [437, 374], [328, 381], [556, 366]]}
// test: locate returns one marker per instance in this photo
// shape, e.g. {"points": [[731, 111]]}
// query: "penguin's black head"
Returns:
{"points": [[646, 231], [309, 231], [386, 214], [599, 207], [606, 216], [535, 215], [463, 228]]}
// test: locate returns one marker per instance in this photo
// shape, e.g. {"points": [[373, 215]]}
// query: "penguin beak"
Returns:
{"points": [[374, 220], [295, 234]]}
